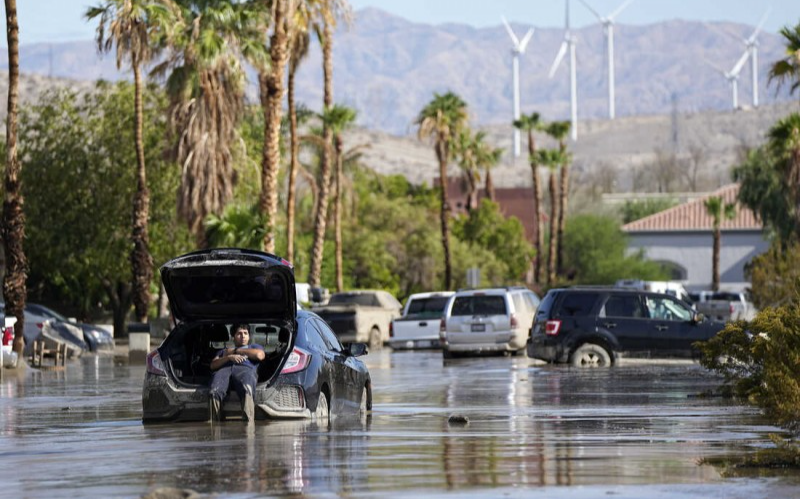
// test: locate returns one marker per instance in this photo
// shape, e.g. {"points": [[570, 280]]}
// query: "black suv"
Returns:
{"points": [[590, 326]]}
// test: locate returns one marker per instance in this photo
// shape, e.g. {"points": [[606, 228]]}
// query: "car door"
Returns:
{"points": [[343, 371], [673, 329], [623, 316]]}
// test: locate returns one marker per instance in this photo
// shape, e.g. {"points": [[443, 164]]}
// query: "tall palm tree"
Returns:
{"points": [[298, 50], [787, 70], [237, 226], [553, 160], [717, 209], [129, 25], [206, 89], [440, 121], [14, 288], [271, 86], [337, 119], [327, 13], [559, 131], [784, 142], [488, 158], [530, 123], [465, 152]]}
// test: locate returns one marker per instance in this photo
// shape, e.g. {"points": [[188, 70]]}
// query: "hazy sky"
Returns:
{"points": [[62, 20]]}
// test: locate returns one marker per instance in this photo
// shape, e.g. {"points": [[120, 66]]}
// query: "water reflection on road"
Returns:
{"points": [[77, 432]]}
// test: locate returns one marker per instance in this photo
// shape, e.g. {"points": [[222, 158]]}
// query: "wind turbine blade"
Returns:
{"points": [[717, 68], [510, 32], [740, 63], [566, 22], [525, 40], [619, 9], [596, 14], [760, 25], [561, 53]]}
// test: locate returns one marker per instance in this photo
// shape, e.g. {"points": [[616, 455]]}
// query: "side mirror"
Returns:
{"points": [[357, 349]]}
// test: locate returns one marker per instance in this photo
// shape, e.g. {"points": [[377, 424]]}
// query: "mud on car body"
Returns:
{"points": [[303, 374]]}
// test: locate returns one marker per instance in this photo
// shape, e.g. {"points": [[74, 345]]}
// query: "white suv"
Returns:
{"points": [[488, 320]]}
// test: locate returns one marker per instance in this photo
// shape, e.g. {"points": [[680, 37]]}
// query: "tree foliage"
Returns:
{"points": [[638, 209], [775, 275]]}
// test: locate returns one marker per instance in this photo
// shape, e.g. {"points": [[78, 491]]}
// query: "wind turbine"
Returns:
{"points": [[516, 51], [608, 29], [733, 76], [751, 44], [569, 45]]}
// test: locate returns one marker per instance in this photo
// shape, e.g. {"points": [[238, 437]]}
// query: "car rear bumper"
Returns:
{"points": [[540, 348], [415, 343], [503, 341]]}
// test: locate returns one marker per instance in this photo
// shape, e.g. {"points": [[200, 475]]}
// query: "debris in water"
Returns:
{"points": [[458, 419]]}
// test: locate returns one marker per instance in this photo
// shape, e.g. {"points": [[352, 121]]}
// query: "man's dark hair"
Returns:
{"points": [[237, 327]]}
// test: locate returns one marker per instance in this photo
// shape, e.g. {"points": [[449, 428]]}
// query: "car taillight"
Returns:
{"points": [[40, 325], [297, 361], [442, 326], [514, 322], [8, 335], [154, 364], [552, 327]]}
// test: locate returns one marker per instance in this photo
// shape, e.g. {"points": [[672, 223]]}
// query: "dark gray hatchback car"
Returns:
{"points": [[307, 373], [594, 326]]}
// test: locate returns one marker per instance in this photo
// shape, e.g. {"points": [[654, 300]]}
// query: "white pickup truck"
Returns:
{"points": [[724, 306], [421, 320]]}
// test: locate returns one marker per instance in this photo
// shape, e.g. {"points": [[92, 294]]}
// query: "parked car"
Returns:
{"points": [[97, 339], [361, 316], [418, 327], [594, 327], [307, 373], [672, 288], [487, 320], [724, 306], [9, 356], [43, 323]]}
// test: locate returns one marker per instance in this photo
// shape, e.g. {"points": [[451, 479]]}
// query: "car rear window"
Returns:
{"points": [[725, 296], [363, 299], [428, 307], [479, 305], [577, 304]]}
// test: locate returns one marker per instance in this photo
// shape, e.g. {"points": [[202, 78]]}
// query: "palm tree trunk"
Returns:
{"points": [[715, 260], [272, 100], [489, 186], [321, 215], [442, 155], [551, 256], [538, 269], [293, 163], [141, 261], [562, 217], [337, 215], [14, 287]]}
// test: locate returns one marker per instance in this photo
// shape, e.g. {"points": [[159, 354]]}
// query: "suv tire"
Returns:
{"points": [[590, 355]]}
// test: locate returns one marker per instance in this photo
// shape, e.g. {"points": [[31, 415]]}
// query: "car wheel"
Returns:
{"points": [[590, 355], [322, 413], [375, 340]]}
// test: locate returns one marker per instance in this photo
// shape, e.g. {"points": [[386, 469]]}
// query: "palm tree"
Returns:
{"points": [[440, 121], [238, 226], [553, 160], [14, 288], [716, 209], [784, 143], [129, 25], [327, 12], [530, 123], [488, 158], [337, 119], [465, 151], [271, 86], [206, 90], [559, 130], [787, 70], [298, 50]]}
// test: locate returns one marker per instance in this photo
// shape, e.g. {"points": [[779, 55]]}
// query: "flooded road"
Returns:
{"points": [[637, 430]]}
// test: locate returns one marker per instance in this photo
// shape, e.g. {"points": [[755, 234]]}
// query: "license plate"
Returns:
{"points": [[478, 328]]}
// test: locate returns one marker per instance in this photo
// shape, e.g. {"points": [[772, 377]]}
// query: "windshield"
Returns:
{"points": [[427, 307], [479, 305]]}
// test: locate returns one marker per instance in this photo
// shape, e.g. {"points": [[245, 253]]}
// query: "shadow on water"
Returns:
{"points": [[525, 427]]}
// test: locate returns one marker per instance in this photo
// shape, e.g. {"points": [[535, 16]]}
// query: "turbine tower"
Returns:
{"points": [[733, 76], [568, 45], [751, 44], [608, 30], [517, 50]]}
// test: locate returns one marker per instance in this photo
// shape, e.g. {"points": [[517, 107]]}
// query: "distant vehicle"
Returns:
{"points": [[494, 320], [97, 339], [595, 326], [44, 323], [419, 325], [307, 373], [361, 316], [675, 289], [9, 356], [724, 306]]}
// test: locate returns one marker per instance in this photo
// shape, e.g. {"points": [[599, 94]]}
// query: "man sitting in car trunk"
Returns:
{"points": [[236, 368]]}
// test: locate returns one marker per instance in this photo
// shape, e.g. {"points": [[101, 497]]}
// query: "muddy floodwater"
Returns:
{"points": [[533, 430]]}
